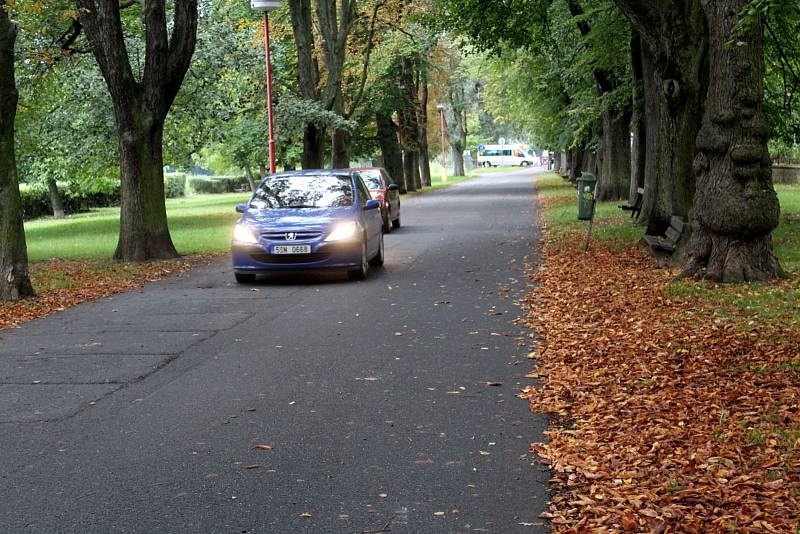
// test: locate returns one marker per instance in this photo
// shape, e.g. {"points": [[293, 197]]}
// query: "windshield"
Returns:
{"points": [[372, 179], [314, 191]]}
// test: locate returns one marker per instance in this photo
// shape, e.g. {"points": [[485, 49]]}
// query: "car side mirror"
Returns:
{"points": [[372, 205], [241, 208], [394, 187]]}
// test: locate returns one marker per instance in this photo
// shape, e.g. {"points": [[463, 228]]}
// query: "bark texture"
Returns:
{"points": [[15, 282], [736, 207], [140, 109], [456, 120], [674, 78], [614, 155], [422, 119], [308, 79], [638, 119], [390, 148]]}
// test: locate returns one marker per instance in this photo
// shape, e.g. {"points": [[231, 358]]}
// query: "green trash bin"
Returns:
{"points": [[586, 189]]}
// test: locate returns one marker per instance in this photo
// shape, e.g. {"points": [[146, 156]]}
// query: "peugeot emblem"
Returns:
{"points": [[291, 236]]}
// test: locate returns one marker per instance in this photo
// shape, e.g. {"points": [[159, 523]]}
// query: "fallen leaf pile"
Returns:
{"points": [[61, 284], [668, 415]]}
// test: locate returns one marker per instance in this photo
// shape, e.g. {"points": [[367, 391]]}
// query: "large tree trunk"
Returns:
{"points": [[140, 109], [615, 153], [308, 79], [142, 215], [15, 283], [422, 119], [673, 35], [55, 198], [408, 156], [457, 137], [638, 119], [340, 149], [736, 207], [390, 148], [589, 161], [410, 124]]}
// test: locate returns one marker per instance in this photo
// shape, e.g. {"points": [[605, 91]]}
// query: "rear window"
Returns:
{"points": [[372, 179], [307, 191]]}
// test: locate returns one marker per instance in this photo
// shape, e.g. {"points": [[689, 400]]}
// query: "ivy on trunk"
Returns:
{"points": [[15, 283], [140, 109]]}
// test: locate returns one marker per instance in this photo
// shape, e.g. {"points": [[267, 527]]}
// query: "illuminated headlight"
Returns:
{"points": [[342, 231], [244, 234]]}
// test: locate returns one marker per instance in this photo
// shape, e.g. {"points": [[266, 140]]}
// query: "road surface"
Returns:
{"points": [[384, 405]]}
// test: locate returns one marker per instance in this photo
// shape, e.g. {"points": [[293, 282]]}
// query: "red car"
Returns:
{"points": [[384, 191]]}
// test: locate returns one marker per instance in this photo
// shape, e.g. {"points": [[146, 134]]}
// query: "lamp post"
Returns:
{"points": [[266, 6], [440, 107]]}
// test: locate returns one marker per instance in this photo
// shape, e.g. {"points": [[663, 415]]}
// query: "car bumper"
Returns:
{"points": [[249, 258]]}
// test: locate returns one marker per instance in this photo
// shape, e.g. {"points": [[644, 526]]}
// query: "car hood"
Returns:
{"points": [[297, 218]]}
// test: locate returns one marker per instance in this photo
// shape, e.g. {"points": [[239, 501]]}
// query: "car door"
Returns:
{"points": [[393, 196], [371, 219]]}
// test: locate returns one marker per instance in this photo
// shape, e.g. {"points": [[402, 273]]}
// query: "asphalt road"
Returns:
{"points": [[386, 405]]}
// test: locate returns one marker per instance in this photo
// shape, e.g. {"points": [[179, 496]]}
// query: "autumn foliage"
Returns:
{"points": [[670, 414]]}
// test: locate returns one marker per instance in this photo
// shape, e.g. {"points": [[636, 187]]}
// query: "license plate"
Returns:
{"points": [[292, 249]]}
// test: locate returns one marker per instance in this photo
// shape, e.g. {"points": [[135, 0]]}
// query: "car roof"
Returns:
{"points": [[357, 169], [316, 172]]}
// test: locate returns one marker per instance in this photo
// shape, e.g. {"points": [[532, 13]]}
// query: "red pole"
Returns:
{"points": [[270, 118], [444, 148]]}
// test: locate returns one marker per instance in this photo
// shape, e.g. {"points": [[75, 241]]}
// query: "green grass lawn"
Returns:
{"points": [[198, 224]]}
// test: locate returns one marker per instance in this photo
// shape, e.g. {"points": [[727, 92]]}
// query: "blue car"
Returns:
{"points": [[309, 220]]}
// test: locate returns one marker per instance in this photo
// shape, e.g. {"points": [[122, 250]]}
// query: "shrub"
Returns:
{"points": [[76, 197], [175, 185], [203, 185]]}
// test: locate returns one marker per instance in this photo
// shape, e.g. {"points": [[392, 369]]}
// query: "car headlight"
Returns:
{"points": [[342, 231], [244, 234]]}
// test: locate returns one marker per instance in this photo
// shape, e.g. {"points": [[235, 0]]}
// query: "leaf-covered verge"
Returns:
{"points": [[65, 283], [676, 407]]}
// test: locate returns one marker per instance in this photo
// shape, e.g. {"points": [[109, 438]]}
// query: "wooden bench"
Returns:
{"points": [[636, 206], [665, 245]]}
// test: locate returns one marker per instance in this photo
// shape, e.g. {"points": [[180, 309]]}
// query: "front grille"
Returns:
{"points": [[291, 258], [299, 236]]}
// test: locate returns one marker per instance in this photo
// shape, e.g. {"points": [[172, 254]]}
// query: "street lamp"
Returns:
{"points": [[441, 108], [266, 6]]}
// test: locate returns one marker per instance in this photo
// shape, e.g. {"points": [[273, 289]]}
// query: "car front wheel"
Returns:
{"points": [[361, 272], [377, 261]]}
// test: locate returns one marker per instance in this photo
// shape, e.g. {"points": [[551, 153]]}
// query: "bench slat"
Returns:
{"points": [[673, 234]]}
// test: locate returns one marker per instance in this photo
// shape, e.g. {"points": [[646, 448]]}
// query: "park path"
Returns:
{"points": [[384, 404]]}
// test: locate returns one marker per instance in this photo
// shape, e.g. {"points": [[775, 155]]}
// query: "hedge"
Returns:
{"points": [[106, 192], [36, 198], [217, 184], [175, 185]]}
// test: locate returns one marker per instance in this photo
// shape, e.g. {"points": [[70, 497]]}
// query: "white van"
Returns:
{"points": [[505, 156]]}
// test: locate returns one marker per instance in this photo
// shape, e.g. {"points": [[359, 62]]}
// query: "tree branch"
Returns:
{"points": [[365, 71]]}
